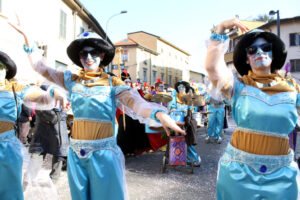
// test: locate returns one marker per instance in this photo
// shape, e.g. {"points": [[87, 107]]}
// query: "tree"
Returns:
{"points": [[264, 18]]}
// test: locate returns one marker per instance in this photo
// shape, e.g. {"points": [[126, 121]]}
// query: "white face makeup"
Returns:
{"points": [[259, 54], [160, 88], [127, 82], [181, 89], [2, 71], [90, 59]]}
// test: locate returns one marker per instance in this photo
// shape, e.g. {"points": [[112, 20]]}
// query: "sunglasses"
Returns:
{"points": [[181, 87], [267, 47], [94, 53]]}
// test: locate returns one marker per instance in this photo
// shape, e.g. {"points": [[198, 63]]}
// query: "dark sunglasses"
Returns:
{"points": [[267, 47], [94, 53]]}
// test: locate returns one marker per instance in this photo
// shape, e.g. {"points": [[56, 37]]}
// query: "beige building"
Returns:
{"points": [[50, 24], [148, 57], [198, 77]]}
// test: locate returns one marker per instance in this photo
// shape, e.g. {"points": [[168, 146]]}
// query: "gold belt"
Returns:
{"points": [[89, 130], [260, 144], [6, 126]]}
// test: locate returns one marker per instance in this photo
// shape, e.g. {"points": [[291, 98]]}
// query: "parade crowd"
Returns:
{"points": [[91, 120]]}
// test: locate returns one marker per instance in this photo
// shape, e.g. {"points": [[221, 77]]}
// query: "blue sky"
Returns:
{"points": [[185, 24]]}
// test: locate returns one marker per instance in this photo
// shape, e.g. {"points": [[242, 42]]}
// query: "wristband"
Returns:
{"points": [[153, 114], [217, 37], [27, 49], [51, 92]]}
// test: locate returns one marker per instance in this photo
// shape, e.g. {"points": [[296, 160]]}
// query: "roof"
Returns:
{"points": [[163, 40], [282, 21], [129, 42], [273, 22], [126, 41]]}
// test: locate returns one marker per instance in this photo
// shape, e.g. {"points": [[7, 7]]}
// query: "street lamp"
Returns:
{"points": [[122, 12], [272, 12]]}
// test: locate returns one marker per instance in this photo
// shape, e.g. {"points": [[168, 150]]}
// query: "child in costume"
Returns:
{"points": [[258, 162], [183, 88]]}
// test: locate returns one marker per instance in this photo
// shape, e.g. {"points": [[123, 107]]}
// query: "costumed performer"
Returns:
{"points": [[12, 96], [182, 88], [258, 162], [95, 162]]}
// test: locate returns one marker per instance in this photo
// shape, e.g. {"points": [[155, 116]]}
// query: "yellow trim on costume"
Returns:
{"points": [[281, 85], [259, 143], [178, 99], [8, 86], [90, 130], [6, 126], [102, 81]]}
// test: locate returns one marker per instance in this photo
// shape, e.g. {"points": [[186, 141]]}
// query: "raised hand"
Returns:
{"points": [[17, 26], [231, 23]]}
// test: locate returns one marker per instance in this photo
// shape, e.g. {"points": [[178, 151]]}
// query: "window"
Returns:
{"points": [[294, 39], [62, 25], [125, 55], [60, 65], [162, 76], [145, 75], [176, 70], [176, 79], [170, 79], [295, 65], [154, 76], [0, 5], [81, 30]]}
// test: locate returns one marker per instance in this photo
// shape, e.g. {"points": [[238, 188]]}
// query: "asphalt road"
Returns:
{"points": [[145, 180]]}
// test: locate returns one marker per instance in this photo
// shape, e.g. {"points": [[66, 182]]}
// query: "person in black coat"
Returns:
{"points": [[51, 137], [24, 123]]}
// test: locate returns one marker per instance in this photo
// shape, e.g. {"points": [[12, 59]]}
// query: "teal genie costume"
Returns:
{"points": [[96, 168], [179, 106], [258, 162], [216, 118], [11, 158]]}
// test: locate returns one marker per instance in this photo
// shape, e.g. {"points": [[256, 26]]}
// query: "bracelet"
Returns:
{"points": [[153, 114], [27, 49], [51, 92], [217, 37]]}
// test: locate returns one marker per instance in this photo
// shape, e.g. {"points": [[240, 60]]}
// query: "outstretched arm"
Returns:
{"points": [[53, 97], [138, 108]]}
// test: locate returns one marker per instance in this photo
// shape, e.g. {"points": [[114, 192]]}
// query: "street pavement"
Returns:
{"points": [[146, 181]]}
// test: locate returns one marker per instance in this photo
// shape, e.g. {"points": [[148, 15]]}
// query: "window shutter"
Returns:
{"points": [[292, 39]]}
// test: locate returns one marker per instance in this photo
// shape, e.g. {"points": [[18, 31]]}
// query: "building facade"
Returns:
{"points": [[50, 24], [149, 57]]}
